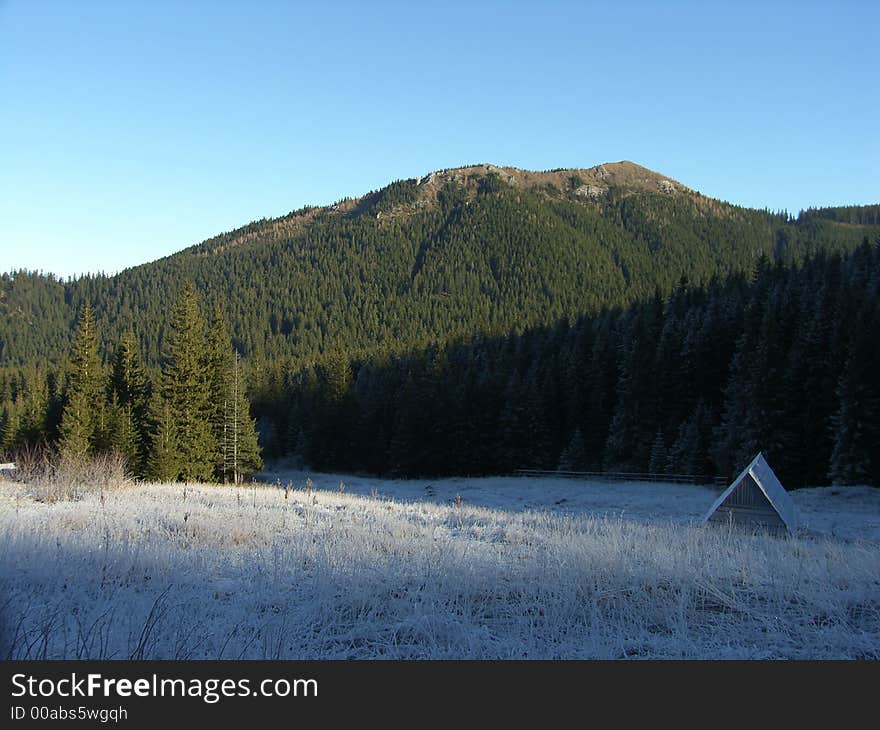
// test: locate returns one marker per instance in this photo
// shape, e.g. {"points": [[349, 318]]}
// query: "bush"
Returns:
{"points": [[52, 477]]}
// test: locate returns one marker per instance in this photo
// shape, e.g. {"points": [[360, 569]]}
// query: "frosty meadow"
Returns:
{"points": [[519, 568]]}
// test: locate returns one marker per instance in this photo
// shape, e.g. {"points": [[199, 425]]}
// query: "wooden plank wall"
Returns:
{"points": [[748, 506]]}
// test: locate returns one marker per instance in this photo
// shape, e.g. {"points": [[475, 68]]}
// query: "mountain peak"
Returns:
{"points": [[624, 177], [402, 198]]}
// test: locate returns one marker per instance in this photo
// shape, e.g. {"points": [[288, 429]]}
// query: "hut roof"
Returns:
{"points": [[767, 482]]}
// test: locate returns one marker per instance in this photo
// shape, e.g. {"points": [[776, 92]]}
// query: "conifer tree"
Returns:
{"points": [[8, 428], [163, 463], [239, 448], [130, 392], [339, 415], [219, 374], [574, 456], [658, 463], [856, 455], [512, 430], [186, 390], [238, 452], [35, 407], [123, 436], [83, 418], [406, 450], [78, 427]]}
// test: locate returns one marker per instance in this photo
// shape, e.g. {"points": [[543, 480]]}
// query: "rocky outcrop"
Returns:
{"points": [[590, 191]]}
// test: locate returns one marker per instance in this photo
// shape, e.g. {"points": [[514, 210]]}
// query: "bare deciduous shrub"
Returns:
{"points": [[53, 477]]}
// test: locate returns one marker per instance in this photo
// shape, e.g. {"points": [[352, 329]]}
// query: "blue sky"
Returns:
{"points": [[130, 130]]}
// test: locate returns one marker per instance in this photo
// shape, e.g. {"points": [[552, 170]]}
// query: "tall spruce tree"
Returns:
{"points": [[239, 448], [238, 451], [856, 425], [186, 390], [130, 392], [219, 374], [84, 415]]}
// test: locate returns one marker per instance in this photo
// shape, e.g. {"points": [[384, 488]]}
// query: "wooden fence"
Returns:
{"points": [[626, 476]]}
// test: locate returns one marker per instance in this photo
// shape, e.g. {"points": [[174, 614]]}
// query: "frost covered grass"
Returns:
{"points": [[206, 572]]}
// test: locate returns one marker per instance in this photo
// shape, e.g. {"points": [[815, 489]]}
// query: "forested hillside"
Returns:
{"points": [[478, 250], [783, 360], [483, 319]]}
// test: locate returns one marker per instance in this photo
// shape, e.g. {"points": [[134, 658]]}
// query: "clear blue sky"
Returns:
{"points": [[129, 130]]}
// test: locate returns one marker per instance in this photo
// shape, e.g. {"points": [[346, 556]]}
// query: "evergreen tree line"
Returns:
{"points": [[191, 421], [784, 360], [853, 214]]}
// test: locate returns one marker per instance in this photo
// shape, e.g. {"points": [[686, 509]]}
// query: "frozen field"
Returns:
{"points": [[851, 513], [522, 568]]}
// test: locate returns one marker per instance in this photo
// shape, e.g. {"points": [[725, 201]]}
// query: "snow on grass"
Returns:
{"points": [[847, 512], [613, 571]]}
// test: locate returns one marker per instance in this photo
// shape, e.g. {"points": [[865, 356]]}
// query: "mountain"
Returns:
{"points": [[473, 250], [484, 319]]}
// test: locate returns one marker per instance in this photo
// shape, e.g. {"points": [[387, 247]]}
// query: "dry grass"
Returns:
{"points": [[175, 572], [52, 477]]}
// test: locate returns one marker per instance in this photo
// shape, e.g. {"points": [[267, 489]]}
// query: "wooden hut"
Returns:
{"points": [[755, 499]]}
